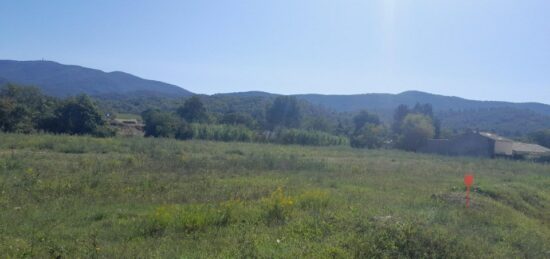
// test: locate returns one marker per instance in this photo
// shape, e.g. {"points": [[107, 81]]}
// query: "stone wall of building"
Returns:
{"points": [[469, 144], [472, 144]]}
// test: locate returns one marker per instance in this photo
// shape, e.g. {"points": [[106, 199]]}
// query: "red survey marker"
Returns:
{"points": [[468, 181]]}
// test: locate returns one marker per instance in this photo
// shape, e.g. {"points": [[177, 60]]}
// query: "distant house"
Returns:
{"points": [[125, 122], [483, 144], [128, 127]]}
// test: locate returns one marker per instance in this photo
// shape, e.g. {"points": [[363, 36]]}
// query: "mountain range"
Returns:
{"points": [[380, 102], [66, 80]]}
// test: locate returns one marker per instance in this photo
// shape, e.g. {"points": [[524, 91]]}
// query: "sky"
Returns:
{"points": [[476, 49]]}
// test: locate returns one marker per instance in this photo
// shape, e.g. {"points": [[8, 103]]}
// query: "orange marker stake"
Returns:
{"points": [[468, 181]]}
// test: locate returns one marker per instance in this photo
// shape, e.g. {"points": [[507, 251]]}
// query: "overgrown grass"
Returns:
{"points": [[240, 133], [222, 132], [139, 197]]}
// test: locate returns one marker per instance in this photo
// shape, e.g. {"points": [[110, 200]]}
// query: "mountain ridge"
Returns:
{"points": [[386, 101], [65, 80]]}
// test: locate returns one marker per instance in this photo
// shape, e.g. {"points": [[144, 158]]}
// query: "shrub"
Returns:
{"points": [[314, 199], [104, 132], [541, 137], [369, 136], [416, 129], [184, 131], [238, 118], [78, 115], [277, 207], [222, 132], [306, 137], [363, 118], [186, 218], [193, 110], [390, 239], [160, 124], [284, 112], [24, 109]]}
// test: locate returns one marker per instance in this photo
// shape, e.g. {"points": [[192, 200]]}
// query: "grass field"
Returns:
{"points": [[145, 198]]}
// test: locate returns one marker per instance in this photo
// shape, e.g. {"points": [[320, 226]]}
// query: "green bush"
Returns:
{"points": [[416, 129], [277, 207], [394, 239], [160, 124], [24, 109], [184, 131], [541, 137], [78, 115], [70, 196], [222, 132], [369, 136], [104, 132], [186, 218], [27, 110], [306, 137], [314, 199]]}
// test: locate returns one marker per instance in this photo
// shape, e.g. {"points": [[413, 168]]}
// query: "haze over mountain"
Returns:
{"points": [[439, 102], [380, 102], [66, 80], [504, 118]]}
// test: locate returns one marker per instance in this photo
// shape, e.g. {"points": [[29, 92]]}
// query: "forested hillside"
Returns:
{"points": [[504, 121], [68, 80], [385, 102]]}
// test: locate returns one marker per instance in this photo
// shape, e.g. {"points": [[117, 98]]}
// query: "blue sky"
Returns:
{"points": [[478, 49]]}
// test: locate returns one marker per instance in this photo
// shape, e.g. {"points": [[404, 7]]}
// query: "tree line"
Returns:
{"points": [[27, 110], [410, 130], [283, 124], [284, 120]]}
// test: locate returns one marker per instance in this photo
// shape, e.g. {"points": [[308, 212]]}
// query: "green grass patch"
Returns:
{"points": [[67, 196]]}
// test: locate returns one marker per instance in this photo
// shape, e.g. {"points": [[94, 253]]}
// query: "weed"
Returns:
{"points": [[188, 218], [314, 200], [277, 207], [142, 198]]}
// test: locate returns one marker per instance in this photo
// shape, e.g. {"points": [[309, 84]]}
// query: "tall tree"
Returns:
{"points": [[78, 115], [437, 127], [364, 117], [369, 136], [415, 131], [368, 131], [161, 124], [541, 137], [193, 110], [11, 116], [23, 108], [238, 118], [425, 109], [398, 116], [284, 112], [318, 123]]}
